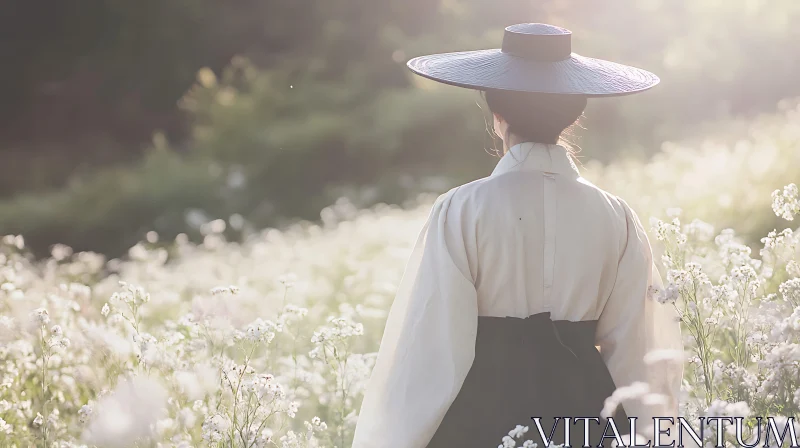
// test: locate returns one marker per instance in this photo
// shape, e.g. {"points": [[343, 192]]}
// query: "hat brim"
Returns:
{"points": [[495, 70]]}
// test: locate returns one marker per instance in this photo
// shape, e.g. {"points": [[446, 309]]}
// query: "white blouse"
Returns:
{"points": [[532, 237]]}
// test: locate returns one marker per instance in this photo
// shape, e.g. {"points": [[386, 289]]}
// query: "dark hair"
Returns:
{"points": [[537, 117]]}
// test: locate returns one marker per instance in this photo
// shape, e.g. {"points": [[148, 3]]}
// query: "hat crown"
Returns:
{"points": [[538, 42]]}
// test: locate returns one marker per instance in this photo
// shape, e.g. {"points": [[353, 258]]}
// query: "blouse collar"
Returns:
{"points": [[530, 156]]}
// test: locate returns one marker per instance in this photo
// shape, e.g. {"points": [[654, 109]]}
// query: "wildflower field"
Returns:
{"points": [[269, 342]]}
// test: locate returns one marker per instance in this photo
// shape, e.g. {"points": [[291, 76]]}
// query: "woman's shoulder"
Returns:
{"points": [[461, 192], [462, 200], [622, 209], [615, 201]]}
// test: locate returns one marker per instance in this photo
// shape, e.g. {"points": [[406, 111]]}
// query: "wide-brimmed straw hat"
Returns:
{"points": [[535, 57]]}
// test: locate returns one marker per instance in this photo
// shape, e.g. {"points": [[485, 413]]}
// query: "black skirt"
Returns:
{"points": [[525, 368]]}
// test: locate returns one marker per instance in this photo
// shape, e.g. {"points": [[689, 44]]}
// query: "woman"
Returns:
{"points": [[517, 277]]}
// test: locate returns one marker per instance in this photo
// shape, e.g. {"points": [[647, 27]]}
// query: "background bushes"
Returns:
{"points": [[272, 109]]}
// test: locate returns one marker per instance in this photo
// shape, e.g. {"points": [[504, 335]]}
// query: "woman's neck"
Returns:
{"points": [[514, 140]]}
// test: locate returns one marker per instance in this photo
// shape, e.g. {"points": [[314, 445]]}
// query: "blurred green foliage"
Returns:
{"points": [[273, 109]]}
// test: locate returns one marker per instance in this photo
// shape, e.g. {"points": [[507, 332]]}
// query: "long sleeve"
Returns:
{"points": [[633, 325], [428, 345]]}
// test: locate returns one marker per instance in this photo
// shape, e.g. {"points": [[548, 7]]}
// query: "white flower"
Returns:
{"points": [[164, 426], [720, 408], [508, 442], [215, 427], [5, 428], [260, 331], [669, 231], [225, 289], [41, 316], [793, 268], [785, 203], [291, 410], [39, 420], [701, 230], [622, 394], [105, 310], [127, 413], [664, 295], [774, 239], [744, 273], [131, 295], [85, 413], [288, 280], [678, 277], [63, 343], [318, 424], [790, 291], [518, 431]]}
